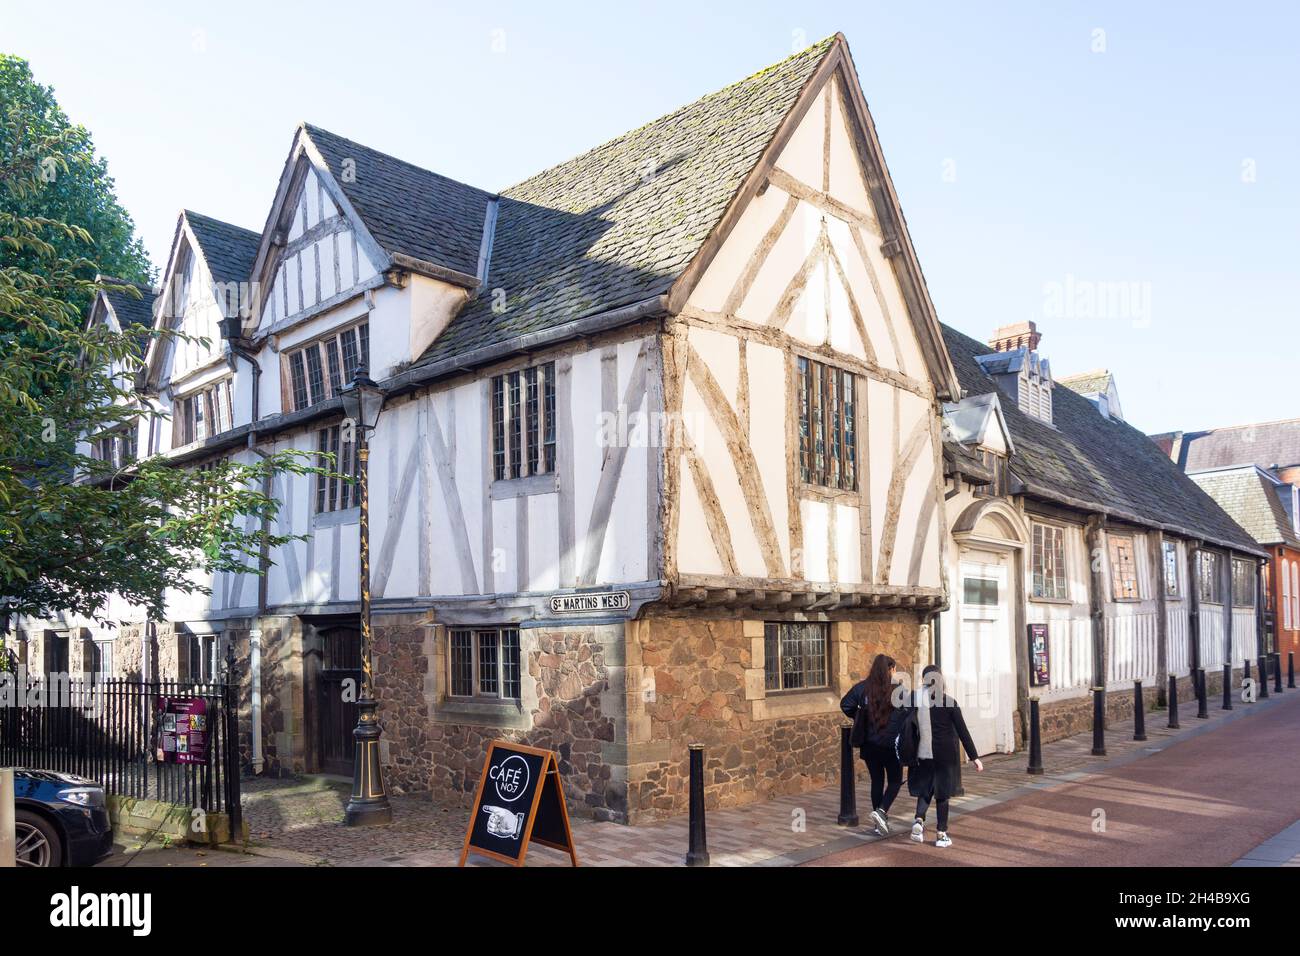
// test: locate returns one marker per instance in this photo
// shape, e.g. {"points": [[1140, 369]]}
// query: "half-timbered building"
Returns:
{"points": [[660, 461], [1081, 558], [1253, 471], [673, 444]]}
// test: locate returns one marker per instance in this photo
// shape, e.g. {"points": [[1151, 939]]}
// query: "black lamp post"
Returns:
{"points": [[368, 806]]}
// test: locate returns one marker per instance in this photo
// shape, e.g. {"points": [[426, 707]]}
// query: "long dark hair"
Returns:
{"points": [[880, 691]]}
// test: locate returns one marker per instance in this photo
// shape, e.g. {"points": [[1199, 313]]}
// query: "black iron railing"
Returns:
{"points": [[111, 730]]}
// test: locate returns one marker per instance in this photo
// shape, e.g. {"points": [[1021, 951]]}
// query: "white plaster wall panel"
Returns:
{"points": [[882, 451], [842, 332], [347, 259], [848, 545], [311, 193], [308, 263], [816, 540], [325, 252], [365, 269], [930, 575], [543, 543], [910, 355], [328, 209], [728, 265], [802, 155], [505, 556], [587, 455], [318, 570], [767, 407], [864, 294], [469, 434], [783, 261], [721, 353], [623, 557], [349, 562], [697, 553], [808, 320], [847, 182], [298, 226], [433, 305], [918, 490], [292, 289], [712, 448], [390, 330]]}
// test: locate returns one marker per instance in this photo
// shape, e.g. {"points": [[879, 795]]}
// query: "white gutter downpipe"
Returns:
{"points": [[255, 681]]}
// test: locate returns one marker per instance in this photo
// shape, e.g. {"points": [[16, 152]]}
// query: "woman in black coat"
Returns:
{"points": [[934, 775], [876, 720]]}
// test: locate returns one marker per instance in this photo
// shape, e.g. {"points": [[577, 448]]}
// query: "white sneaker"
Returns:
{"points": [[881, 822], [918, 832], [943, 840]]}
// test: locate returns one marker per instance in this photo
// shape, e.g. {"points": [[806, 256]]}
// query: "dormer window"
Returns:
{"points": [[321, 369]]}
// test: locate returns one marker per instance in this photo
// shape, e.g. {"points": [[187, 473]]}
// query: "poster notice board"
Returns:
{"points": [[182, 730], [519, 800], [1040, 660]]}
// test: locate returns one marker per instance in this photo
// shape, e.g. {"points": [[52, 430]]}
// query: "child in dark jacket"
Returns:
{"points": [[934, 775], [876, 722]]}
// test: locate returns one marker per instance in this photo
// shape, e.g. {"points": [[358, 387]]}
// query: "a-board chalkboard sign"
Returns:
{"points": [[1040, 659], [519, 800]]}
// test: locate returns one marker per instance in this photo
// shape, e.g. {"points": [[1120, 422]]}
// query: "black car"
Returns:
{"points": [[62, 820]]}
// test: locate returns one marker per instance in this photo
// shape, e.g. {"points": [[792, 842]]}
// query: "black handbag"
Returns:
{"points": [[909, 739], [858, 736]]}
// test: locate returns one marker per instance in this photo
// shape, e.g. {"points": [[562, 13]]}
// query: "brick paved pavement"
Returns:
{"points": [[301, 820]]}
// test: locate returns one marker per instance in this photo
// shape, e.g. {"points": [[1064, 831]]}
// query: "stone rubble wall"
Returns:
{"points": [[701, 681]]}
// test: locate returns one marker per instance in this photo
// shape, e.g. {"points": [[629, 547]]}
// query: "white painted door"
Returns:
{"points": [[983, 676]]}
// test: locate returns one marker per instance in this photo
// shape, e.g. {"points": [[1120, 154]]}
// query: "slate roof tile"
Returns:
{"points": [[228, 249], [408, 210], [620, 223], [1266, 444], [1252, 500], [1101, 463]]}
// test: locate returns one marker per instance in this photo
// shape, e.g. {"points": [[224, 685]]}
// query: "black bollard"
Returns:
{"points": [[1263, 677], [1035, 740], [1277, 673], [1173, 702], [1227, 687], [698, 853], [1139, 713], [848, 791], [1202, 704], [1099, 721], [1245, 672], [1290, 669]]}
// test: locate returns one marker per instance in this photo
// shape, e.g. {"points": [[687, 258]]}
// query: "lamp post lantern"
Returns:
{"points": [[368, 805]]}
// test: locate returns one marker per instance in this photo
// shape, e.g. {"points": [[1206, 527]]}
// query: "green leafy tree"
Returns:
{"points": [[75, 185], [75, 530]]}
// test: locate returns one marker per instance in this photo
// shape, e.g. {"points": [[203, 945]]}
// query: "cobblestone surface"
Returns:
{"points": [[303, 817]]}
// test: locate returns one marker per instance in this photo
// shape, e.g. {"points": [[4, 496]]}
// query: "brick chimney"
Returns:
{"points": [[1008, 338]]}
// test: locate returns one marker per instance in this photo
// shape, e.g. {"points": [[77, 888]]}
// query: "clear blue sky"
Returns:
{"points": [[1030, 165]]}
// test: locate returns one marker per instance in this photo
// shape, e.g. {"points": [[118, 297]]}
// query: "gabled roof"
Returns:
{"points": [[226, 248], [129, 309], [1096, 382], [1097, 464], [1266, 444], [1253, 499], [409, 211], [620, 223]]}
